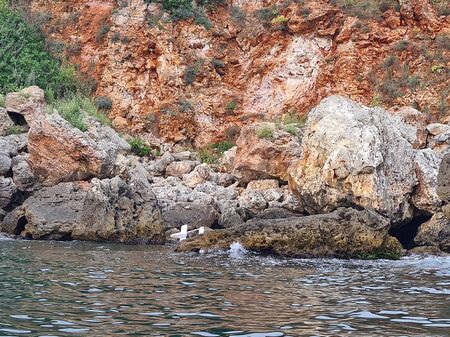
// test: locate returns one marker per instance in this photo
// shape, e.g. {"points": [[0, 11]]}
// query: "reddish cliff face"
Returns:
{"points": [[258, 60]]}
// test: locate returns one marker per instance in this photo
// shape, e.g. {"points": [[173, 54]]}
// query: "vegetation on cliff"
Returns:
{"points": [[25, 60]]}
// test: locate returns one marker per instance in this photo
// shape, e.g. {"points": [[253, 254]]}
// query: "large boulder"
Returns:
{"points": [[435, 233], [62, 153], [28, 102], [193, 214], [265, 151], [356, 156], [344, 233], [102, 210]]}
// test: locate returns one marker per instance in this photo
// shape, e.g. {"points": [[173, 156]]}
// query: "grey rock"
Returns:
{"points": [[7, 191], [276, 213], [443, 179], [5, 122], [435, 233], [180, 168], [161, 164], [103, 210], [252, 200], [192, 214], [198, 176], [23, 175], [230, 218], [5, 164]]}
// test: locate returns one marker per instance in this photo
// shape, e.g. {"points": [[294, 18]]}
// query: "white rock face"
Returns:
{"points": [[354, 155]]}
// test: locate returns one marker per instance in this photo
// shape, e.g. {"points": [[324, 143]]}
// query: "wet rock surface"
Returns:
{"points": [[343, 233]]}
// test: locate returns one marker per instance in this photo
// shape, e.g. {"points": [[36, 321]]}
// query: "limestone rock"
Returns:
{"points": [[416, 119], [180, 168], [23, 175], [265, 156], [198, 176], [439, 137], [425, 197], [103, 210], [443, 179], [61, 153], [263, 185], [7, 190], [29, 102], [252, 200], [5, 122], [355, 156], [343, 233], [192, 214], [435, 232]]}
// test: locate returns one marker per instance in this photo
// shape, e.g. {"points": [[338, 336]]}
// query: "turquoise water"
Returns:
{"points": [[84, 289]]}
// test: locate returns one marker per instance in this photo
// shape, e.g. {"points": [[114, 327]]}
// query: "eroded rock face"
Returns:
{"points": [[343, 233], [28, 102], [354, 155], [435, 233], [103, 210], [61, 153], [265, 151]]}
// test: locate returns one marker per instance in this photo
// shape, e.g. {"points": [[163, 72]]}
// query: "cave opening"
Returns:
{"points": [[21, 223], [406, 232], [17, 118]]}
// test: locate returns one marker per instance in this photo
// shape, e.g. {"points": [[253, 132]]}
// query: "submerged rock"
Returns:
{"points": [[344, 233]]}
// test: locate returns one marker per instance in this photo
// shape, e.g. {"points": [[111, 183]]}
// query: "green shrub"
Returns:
{"points": [[2, 101], [14, 130], [265, 132], [292, 129], [184, 106], [102, 31], [223, 146], [390, 61], [208, 156], [401, 45], [231, 106], [70, 109], [74, 109], [103, 103], [139, 147], [25, 61], [191, 71], [238, 15], [294, 118], [366, 9]]}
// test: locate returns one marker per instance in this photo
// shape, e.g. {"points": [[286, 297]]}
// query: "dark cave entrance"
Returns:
{"points": [[406, 232]]}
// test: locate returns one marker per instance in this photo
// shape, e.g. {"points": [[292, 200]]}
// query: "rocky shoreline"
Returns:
{"points": [[352, 182]]}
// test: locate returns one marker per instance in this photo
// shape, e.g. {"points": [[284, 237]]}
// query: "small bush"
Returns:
{"points": [[184, 106], [238, 15], [208, 156], [2, 101], [223, 146], [401, 45], [103, 103], [14, 130], [294, 118], [102, 31], [71, 111], [139, 147], [231, 106], [74, 109], [292, 129], [265, 132], [233, 132], [390, 61], [191, 71]]}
